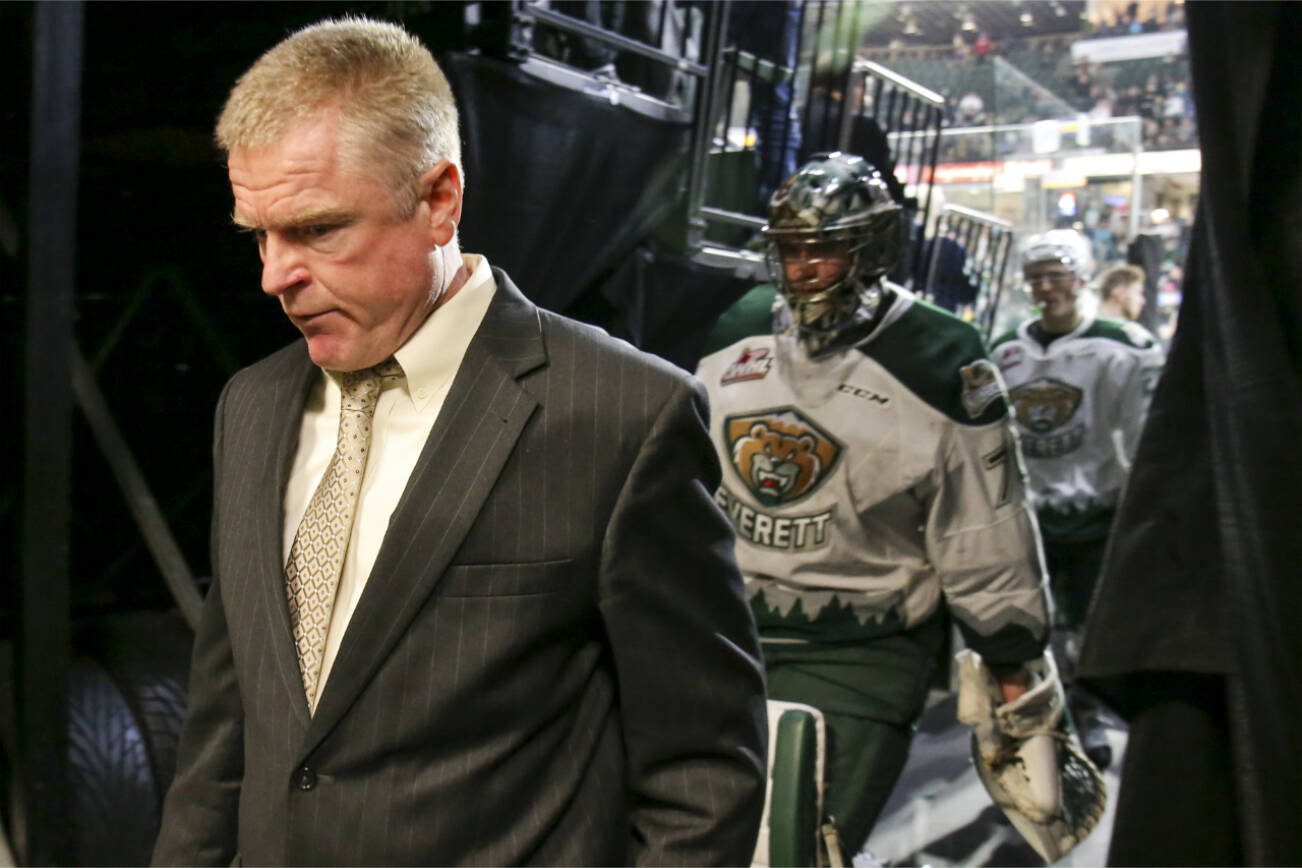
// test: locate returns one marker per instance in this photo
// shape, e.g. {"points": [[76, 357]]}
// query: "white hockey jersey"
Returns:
{"points": [[865, 485], [1080, 406]]}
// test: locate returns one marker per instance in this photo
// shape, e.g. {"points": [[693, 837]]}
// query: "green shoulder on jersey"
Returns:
{"points": [[926, 349]]}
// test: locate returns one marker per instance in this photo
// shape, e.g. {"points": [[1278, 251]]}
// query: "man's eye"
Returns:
{"points": [[319, 230]]}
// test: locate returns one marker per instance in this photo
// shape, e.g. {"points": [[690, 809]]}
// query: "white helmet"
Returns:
{"points": [[1060, 245]]}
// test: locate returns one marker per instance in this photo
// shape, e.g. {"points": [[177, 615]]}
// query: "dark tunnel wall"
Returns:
{"points": [[560, 186]]}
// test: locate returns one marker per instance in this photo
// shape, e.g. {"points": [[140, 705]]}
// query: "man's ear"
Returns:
{"points": [[440, 189]]}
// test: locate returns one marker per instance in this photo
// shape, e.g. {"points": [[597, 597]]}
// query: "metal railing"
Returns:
{"points": [[579, 54], [985, 243], [909, 117]]}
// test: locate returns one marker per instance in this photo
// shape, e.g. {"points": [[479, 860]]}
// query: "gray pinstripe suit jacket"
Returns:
{"points": [[552, 662]]}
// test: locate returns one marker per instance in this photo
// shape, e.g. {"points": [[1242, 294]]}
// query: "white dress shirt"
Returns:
{"points": [[404, 416]]}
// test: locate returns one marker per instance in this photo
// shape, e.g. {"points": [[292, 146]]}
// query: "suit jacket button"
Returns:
{"points": [[305, 778]]}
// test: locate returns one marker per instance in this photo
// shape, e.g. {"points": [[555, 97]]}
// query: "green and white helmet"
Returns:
{"points": [[835, 201]]}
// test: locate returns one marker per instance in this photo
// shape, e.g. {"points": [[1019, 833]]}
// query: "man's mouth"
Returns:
{"points": [[304, 319]]}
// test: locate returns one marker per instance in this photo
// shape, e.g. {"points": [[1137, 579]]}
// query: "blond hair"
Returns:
{"points": [[394, 104], [1122, 275]]}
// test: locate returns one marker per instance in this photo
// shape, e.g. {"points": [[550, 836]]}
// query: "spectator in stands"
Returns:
{"points": [[1082, 86], [1133, 24], [971, 109], [1168, 135], [1122, 293], [1176, 102], [1102, 107], [1048, 54], [1131, 96], [958, 48]]}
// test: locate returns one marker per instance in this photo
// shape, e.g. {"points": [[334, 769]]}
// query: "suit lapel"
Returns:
{"points": [[485, 412], [283, 412]]}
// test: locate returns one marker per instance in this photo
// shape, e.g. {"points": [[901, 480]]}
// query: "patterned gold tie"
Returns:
{"points": [[317, 556]]}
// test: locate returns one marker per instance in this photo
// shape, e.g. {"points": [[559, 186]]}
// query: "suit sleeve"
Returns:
{"points": [[983, 540], [691, 683], [200, 812]]}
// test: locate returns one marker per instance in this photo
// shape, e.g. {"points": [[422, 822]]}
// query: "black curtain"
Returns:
{"points": [[1205, 570], [664, 303], [561, 186]]}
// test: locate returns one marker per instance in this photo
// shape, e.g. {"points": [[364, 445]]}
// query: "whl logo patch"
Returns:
{"points": [[780, 455], [753, 364]]}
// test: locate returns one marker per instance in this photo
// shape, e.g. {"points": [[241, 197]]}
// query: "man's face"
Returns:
{"points": [[351, 272], [812, 267], [1130, 298], [1054, 287]]}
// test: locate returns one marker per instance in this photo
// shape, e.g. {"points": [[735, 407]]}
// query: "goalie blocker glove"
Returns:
{"points": [[1026, 757]]}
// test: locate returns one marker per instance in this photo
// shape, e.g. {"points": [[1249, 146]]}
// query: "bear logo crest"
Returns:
{"points": [[780, 455], [1045, 404]]}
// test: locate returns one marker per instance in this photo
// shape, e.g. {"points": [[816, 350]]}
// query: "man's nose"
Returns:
{"points": [[282, 265], [801, 263]]}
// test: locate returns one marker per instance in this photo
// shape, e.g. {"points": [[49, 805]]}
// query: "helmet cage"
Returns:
{"points": [[873, 246]]}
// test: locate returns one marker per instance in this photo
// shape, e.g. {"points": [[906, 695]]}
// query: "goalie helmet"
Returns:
{"points": [[833, 232], [1066, 246]]}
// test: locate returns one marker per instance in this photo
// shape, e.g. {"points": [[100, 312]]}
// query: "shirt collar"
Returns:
{"points": [[431, 356]]}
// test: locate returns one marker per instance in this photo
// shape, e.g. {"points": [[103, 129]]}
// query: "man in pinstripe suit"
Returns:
{"points": [[535, 646]]}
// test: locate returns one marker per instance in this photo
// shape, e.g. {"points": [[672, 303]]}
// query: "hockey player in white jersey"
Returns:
{"points": [[1080, 386], [872, 477]]}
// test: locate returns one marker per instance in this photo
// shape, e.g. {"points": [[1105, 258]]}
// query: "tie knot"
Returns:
{"points": [[360, 390]]}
